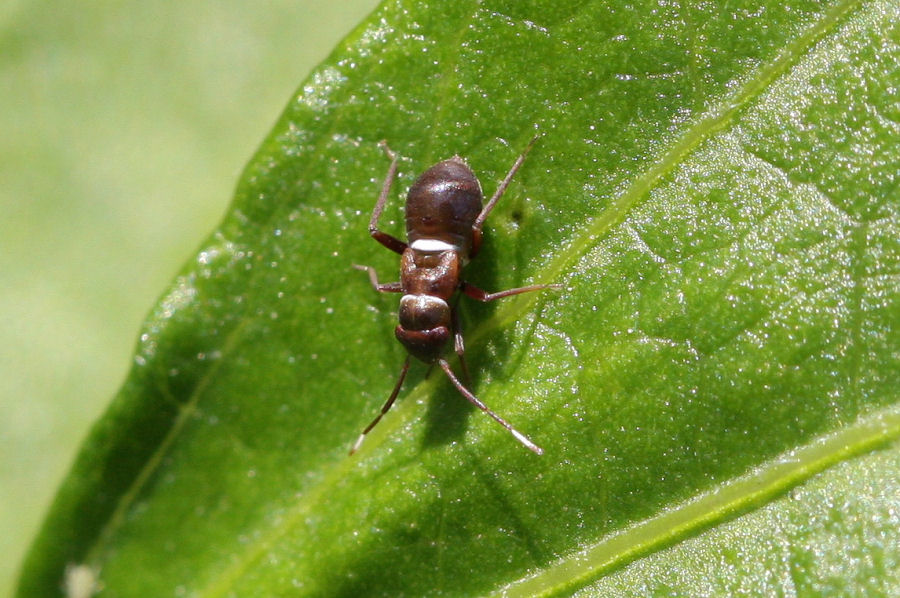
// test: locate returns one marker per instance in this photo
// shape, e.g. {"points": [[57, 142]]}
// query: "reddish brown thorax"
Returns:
{"points": [[428, 281]]}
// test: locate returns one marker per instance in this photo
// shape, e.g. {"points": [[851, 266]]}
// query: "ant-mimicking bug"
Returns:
{"points": [[444, 218]]}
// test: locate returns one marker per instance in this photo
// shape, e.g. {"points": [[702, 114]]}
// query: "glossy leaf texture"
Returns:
{"points": [[716, 384]]}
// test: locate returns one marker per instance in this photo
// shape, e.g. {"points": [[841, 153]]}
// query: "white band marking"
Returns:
{"points": [[433, 245]]}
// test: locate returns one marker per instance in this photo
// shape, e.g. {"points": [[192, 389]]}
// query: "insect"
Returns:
{"points": [[444, 220]]}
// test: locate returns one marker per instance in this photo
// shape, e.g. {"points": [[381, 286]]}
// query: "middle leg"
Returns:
{"points": [[482, 295], [381, 287]]}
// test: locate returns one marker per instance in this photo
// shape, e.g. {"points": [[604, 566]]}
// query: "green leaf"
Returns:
{"points": [[716, 189]]}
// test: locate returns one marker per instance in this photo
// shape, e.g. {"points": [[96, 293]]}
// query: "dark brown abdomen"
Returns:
{"points": [[443, 205]]}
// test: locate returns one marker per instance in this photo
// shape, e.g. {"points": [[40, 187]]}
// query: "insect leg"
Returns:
{"points": [[392, 243], [477, 402], [481, 295], [384, 408], [387, 287], [479, 222], [459, 345]]}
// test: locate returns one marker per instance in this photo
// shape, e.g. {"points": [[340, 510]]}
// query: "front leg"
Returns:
{"points": [[392, 243], [386, 287]]}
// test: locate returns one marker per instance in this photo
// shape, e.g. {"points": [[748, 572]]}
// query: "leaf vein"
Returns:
{"points": [[725, 503]]}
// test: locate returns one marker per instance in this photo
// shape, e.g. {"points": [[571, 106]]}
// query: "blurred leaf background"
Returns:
{"points": [[124, 128]]}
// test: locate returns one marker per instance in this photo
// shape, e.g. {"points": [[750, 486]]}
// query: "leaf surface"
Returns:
{"points": [[716, 189]]}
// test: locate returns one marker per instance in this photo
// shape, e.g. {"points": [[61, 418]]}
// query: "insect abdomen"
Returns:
{"points": [[443, 205]]}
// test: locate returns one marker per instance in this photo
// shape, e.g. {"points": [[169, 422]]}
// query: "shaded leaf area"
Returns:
{"points": [[716, 189]]}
